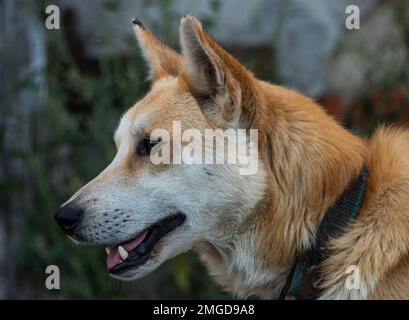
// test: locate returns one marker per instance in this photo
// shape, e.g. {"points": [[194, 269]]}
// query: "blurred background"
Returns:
{"points": [[63, 91]]}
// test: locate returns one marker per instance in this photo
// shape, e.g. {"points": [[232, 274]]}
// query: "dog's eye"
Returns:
{"points": [[145, 146]]}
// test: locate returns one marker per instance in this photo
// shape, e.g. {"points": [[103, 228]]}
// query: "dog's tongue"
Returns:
{"points": [[114, 258]]}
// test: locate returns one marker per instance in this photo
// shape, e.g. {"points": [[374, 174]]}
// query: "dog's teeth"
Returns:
{"points": [[122, 252], [108, 250]]}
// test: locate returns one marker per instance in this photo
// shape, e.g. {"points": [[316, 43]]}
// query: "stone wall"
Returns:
{"points": [[307, 35]]}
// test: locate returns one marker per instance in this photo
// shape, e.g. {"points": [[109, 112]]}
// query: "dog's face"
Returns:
{"points": [[146, 213]]}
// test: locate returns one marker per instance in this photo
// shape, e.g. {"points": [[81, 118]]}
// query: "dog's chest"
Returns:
{"points": [[239, 273]]}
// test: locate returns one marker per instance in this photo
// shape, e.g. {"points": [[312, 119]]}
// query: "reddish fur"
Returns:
{"points": [[310, 160]]}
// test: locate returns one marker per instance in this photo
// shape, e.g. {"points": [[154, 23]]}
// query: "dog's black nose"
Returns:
{"points": [[68, 217]]}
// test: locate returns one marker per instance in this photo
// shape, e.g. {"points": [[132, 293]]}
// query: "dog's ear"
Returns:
{"points": [[221, 85], [162, 60]]}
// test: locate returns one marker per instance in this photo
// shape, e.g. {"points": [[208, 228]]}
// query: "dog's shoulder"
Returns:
{"points": [[378, 241]]}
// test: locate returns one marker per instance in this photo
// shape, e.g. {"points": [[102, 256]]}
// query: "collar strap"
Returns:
{"points": [[303, 279]]}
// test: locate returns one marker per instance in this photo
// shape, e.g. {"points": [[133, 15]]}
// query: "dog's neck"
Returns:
{"points": [[310, 160]]}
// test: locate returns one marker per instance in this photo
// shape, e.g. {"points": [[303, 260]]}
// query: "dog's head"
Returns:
{"points": [[146, 212]]}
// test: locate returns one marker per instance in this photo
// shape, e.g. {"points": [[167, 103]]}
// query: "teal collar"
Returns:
{"points": [[305, 275]]}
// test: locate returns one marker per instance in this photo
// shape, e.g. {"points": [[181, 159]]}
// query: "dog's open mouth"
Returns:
{"points": [[137, 250]]}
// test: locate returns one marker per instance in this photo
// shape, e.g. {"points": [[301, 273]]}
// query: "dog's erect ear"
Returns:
{"points": [[162, 60], [217, 80]]}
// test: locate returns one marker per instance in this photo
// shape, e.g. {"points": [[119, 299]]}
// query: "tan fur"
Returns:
{"points": [[306, 161], [378, 241], [311, 159], [162, 60]]}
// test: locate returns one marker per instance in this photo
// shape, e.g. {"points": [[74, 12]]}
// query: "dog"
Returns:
{"points": [[250, 230]]}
